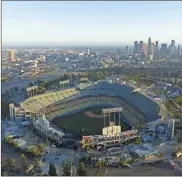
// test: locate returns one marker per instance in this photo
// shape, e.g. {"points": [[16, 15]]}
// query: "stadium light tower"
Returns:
{"points": [[112, 110]]}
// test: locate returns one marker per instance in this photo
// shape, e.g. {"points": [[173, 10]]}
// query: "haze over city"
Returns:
{"points": [[90, 23]]}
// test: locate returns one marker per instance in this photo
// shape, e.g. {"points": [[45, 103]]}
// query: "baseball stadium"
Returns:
{"points": [[81, 107]]}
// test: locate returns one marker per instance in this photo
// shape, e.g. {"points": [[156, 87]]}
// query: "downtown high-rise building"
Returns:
{"points": [[179, 50], [164, 48], [149, 46], [145, 49], [152, 48], [140, 46], [173, 46], [127, 50], [156, 47], [11, 56], [88, 52], [136, 47]]}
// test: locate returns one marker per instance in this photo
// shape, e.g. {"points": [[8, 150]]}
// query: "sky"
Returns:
{"points": [[90, 23]]}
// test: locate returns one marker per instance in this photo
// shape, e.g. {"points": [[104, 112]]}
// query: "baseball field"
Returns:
{"points": [[92, 120]]}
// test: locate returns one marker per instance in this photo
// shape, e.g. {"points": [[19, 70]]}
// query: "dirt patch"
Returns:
{"points": [[92, 115]]}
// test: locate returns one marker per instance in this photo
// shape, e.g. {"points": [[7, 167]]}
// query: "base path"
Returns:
{"points": [[92, 115]]}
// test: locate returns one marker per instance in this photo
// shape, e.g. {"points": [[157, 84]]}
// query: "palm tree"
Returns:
{"points": [[11, 163], [41, 148], [24, 161], [52, 170], [81, 169], [36, 165], [66, 168], [9, 140]]}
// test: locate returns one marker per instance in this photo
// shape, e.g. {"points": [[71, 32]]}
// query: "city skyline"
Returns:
{"points": [[90, 23]]}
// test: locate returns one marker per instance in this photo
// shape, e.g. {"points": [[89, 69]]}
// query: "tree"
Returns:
{"points": [[81, 169], [24, 162], [7, 91], [66, 168], [98, 164], [11, 162], [158, 92], [23, 89], [38, 81], [41, 148], [30, 84], [11, 90], [16, 89], [15, 144], [33, 150], [36, 165], [138, 141], [124, 163], [52, 170], [44, 84], [73, 76], [9, 140], [65, 76]]}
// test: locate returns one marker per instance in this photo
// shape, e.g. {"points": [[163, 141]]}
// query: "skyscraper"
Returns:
{"points": [[156, 47], [149, 47], [88, 52], [164, 48], [152, 48], [127, 50], [135, 47], [145, 48], [179, 50], [173, 46], [140, 46], [11, 56]]}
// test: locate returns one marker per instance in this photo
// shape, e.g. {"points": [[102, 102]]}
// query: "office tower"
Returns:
{"points": [[149, 47], [140, 46], [88, 52], [170, 49], [11, 56], [135, 47], [173, 46], [152, 48], [164, 48], [156, 46], [119, 51], [127, 50], [145, 48], [179, 50]]}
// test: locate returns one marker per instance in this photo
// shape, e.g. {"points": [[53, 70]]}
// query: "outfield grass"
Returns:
{"points": [[79, 120]]}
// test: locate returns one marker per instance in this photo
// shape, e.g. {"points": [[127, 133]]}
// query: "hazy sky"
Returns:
{"points": [[78, 23]]}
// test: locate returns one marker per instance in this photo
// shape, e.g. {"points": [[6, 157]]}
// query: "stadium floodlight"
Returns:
{"points": [[64, 83], [111, 110]]}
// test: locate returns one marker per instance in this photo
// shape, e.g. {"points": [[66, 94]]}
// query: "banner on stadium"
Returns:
{"points": [[64, 82], [32, 88], [106, 111]]}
